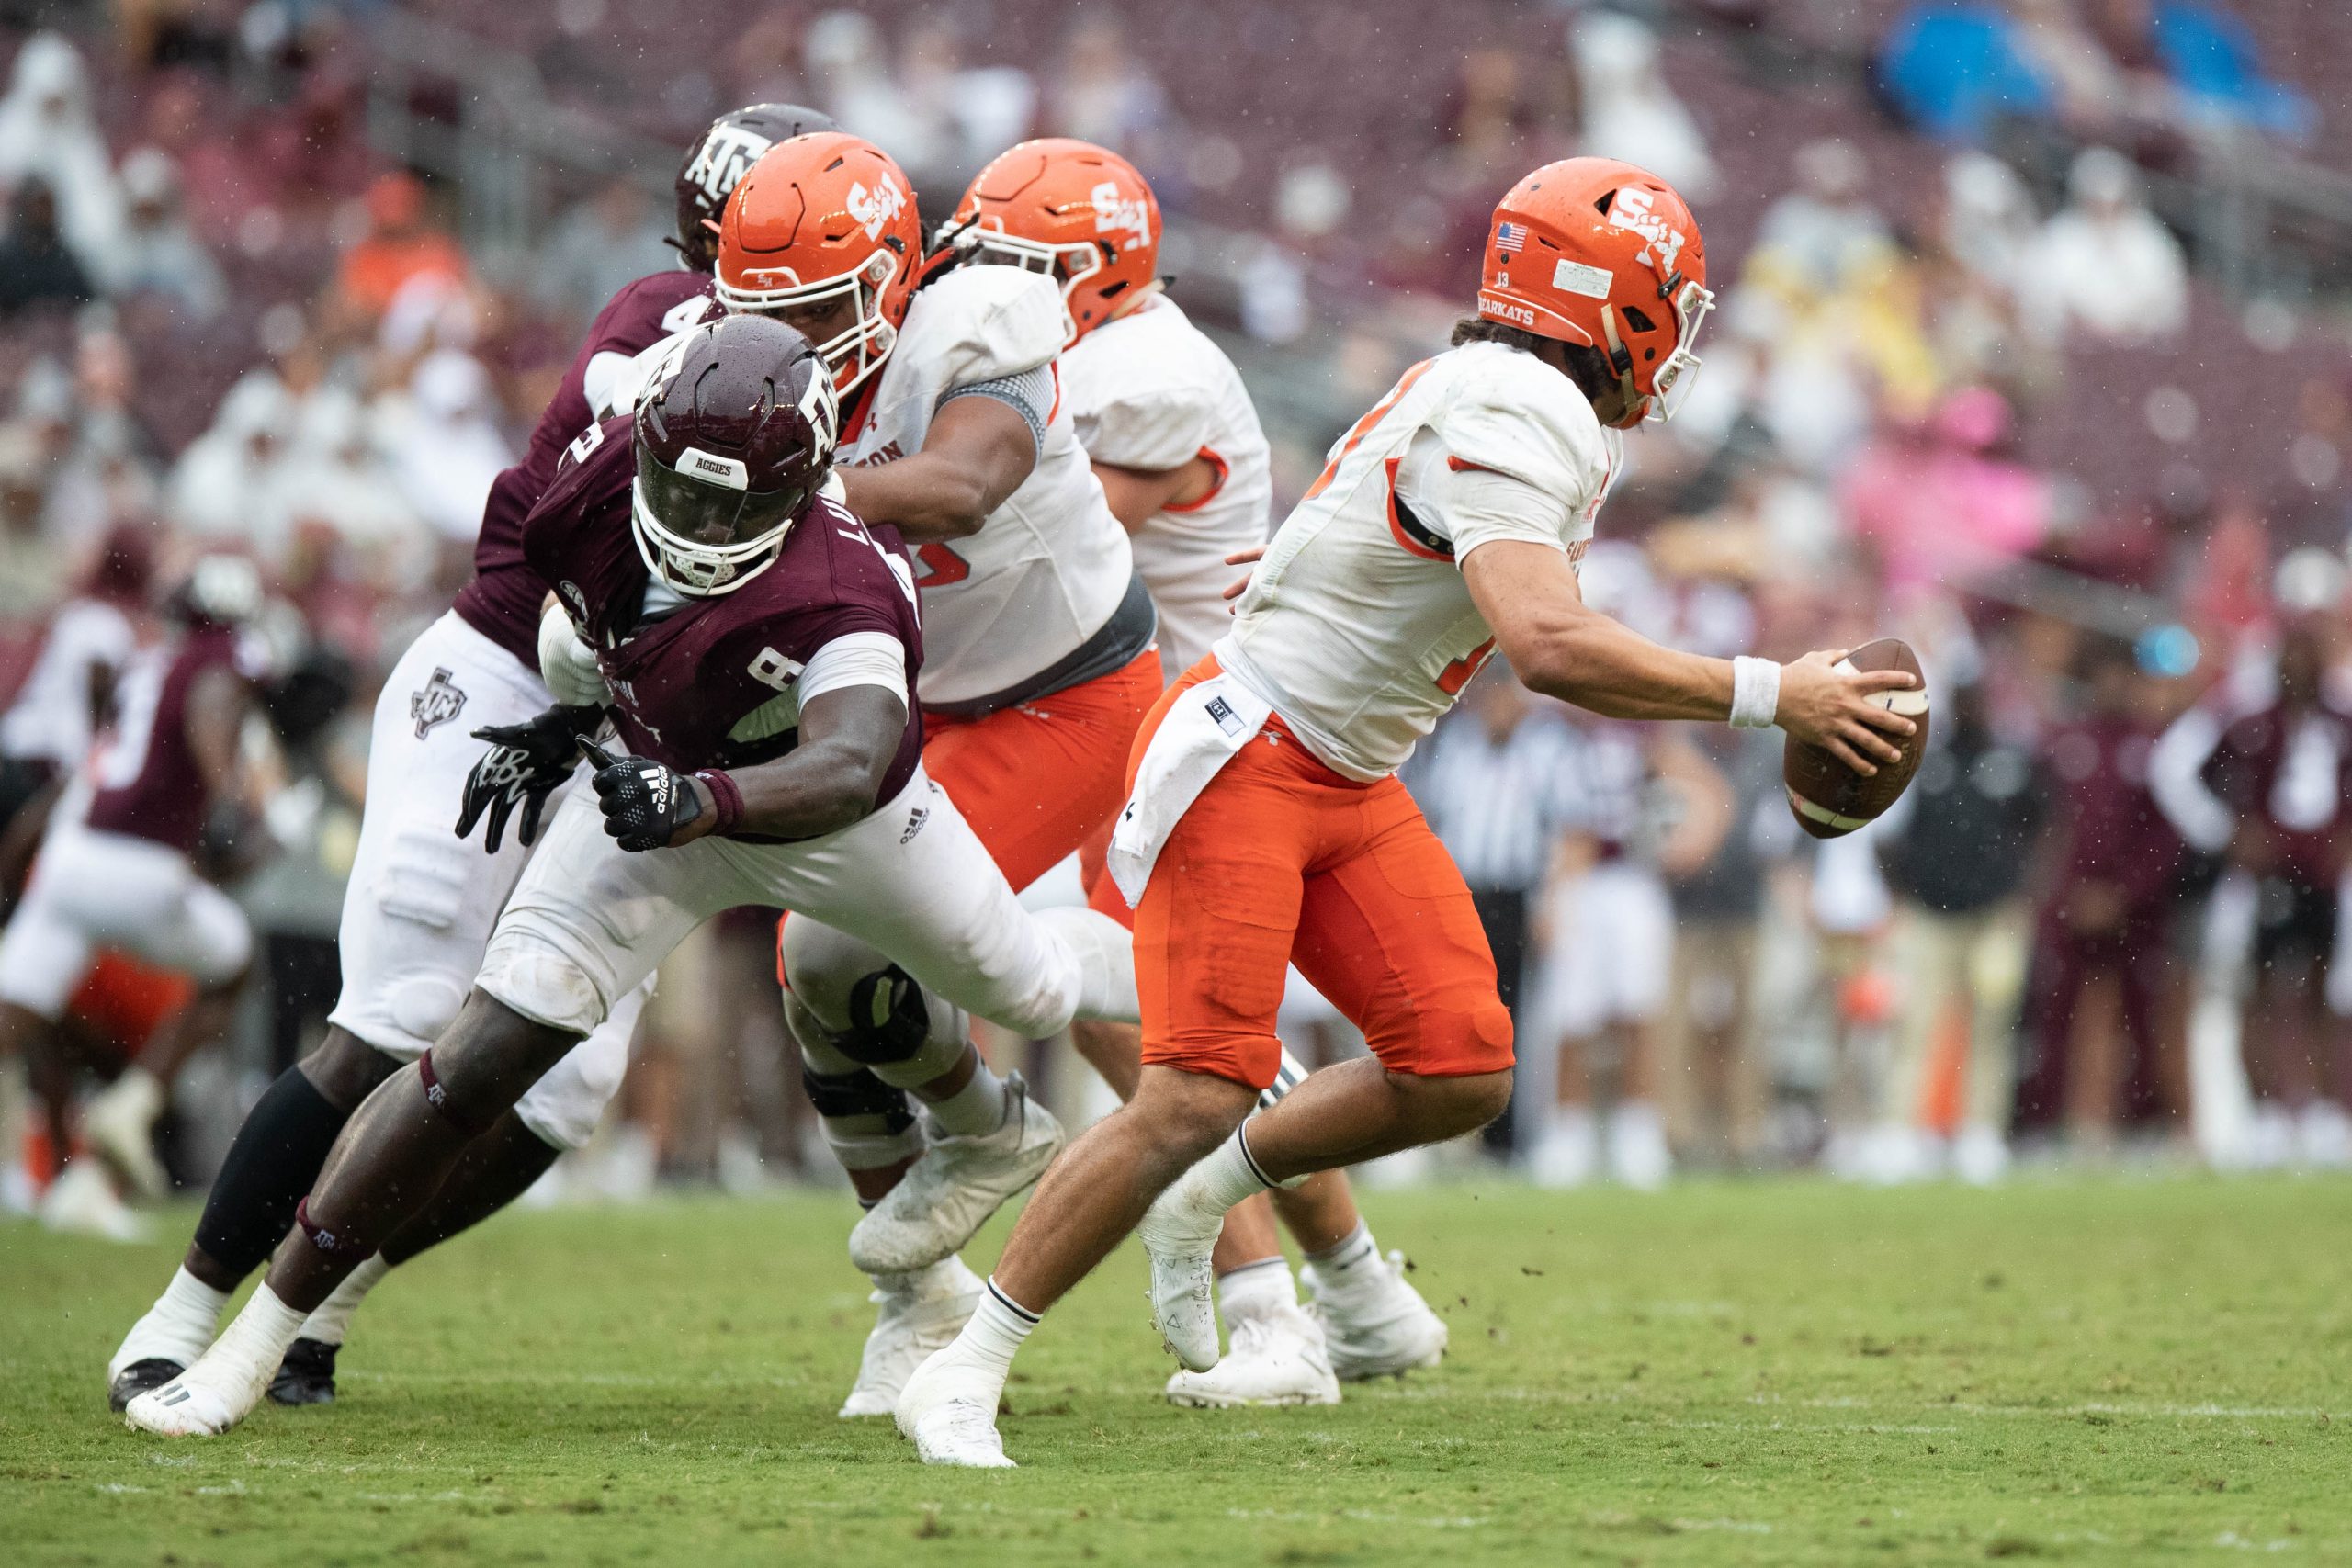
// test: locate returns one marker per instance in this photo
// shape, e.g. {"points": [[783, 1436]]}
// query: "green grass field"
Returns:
{"points": [[2098, 1372]]}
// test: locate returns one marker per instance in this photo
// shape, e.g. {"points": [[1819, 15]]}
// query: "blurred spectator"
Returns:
{"points": [[2283, 773], [1956, 854], [1824, 234], [400, 244], [2100, 953], [603, 242], [222, 486], [2207, 57], [1629, 110], [1496, 785], [1714, 1076], [48, 132], [1955, 69], [36, 266], [158, 252], [1102, 93], [2105, 265], [442, 436], [938, 118], [31, 563], [1938, 503], [2091, 88]]}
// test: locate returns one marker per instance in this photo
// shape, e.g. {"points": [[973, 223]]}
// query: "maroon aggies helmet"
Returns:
{"points": [[731, 450], [717, 161]]}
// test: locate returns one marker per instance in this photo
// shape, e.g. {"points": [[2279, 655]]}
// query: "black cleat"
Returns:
{"points": [[138, 1378], [307, 1375]]}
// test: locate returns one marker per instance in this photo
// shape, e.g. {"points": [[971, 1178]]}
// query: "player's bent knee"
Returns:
{"points": [[346, 1069], [490, 1058], [1449, 1107]]}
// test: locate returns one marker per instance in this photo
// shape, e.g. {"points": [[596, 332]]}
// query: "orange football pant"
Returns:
{"points": [[1282, 861]]}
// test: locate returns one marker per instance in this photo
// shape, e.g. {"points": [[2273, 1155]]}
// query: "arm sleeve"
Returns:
{"points": [[855, 658], [1029, 393]]}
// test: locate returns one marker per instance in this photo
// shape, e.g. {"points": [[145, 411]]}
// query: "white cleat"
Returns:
{"points": [[1374, 1324], [1178, 1231], [921, 1313], [1638, 1155], [1278, 1358], [1980, 1157], [202, 1401], [950, 1415], [83, 1201], [948, 1194]]}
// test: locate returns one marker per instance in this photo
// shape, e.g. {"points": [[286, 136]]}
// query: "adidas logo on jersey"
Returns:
{"points": [[873, 208], [1112, 214]]}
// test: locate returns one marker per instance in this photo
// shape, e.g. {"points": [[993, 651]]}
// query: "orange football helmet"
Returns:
{"points": [[816, 218], [1596, 252], [1079, 213]]}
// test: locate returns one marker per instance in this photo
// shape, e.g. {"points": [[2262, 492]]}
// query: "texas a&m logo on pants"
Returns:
{"points": [[436, 702]]}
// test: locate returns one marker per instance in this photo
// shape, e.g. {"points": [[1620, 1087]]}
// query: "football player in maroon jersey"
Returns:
{"points": [[118, 864], [759, 648], [421, 903]]}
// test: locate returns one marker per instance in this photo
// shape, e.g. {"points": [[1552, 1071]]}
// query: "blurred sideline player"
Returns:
{"points": [[1174, 439], [119, 866], [1266, 822], [761, 648], [121, 1005], [422, 901]]}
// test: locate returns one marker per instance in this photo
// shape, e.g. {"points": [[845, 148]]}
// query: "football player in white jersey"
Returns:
{"points": [[1175, 440], [1266, 824]]}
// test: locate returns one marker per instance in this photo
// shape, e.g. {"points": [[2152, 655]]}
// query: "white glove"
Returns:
{"points": [[568, 665]]}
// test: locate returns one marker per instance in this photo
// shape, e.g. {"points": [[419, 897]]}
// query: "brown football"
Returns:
{"points": [[1829, 798]]}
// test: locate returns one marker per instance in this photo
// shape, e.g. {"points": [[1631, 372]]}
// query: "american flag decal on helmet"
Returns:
{"points": [[1510, 238]]}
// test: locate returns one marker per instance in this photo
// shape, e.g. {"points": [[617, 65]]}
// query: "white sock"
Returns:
{"points": [[974, 1368], [1345, 1252], [255, 1340], [976, 1109], [1257, 1289], [331, 1320], [1640, 1119], [178, 1328], [1573, 1121], [1227, 1175]]}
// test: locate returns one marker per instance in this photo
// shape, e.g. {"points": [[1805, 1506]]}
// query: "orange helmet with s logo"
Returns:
{"points": [[818, 219], [1596, 252], [1079, 213]]}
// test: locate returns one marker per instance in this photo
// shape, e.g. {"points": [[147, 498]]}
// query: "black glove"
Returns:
{"points": [[526, 762], [645, 802]]}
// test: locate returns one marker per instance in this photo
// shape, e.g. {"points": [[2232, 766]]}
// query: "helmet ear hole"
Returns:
{"points": [[1637, 320]]}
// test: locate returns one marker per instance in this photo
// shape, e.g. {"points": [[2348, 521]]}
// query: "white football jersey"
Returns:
{"points": [[1357, 625], [1149, 391], [1051, 564]]}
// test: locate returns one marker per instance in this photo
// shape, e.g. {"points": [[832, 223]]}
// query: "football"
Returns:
{"points": [[1829, 798]]}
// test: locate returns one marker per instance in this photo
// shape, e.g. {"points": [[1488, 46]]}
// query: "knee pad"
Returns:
{"points": [[868, 1010]]}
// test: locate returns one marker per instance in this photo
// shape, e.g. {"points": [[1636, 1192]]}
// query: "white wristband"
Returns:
{"points": [[1755, 693]]}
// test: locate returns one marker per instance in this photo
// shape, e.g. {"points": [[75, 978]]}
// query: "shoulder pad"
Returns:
{"points": [[1135, 400], [1510, 413], [979, 323]]}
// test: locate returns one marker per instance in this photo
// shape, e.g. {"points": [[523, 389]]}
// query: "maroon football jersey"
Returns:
{"points": [[710, 685], [502, 601], [143, 774], [2111, 829], [2293, 771]]}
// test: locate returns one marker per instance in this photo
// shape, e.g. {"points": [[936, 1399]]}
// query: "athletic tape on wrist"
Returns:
{"points": [[725, 800], [1755, 693]]}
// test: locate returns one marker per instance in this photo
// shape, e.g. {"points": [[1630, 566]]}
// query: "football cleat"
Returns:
{"points": [[1374, 1324], [307, 1375], [138, 1378], [948, 1194], [1178, 1231], [83, 1201], [949, 1412], [1278, 1358], [921, 1313], [202, 1401], [119, 1123]]}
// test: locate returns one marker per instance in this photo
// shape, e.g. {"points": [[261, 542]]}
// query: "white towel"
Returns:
{"points": [[1201, 731]]}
